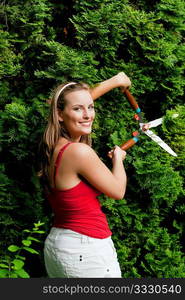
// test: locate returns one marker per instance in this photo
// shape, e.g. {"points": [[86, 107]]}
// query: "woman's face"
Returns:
{"points": [[78, 114]]}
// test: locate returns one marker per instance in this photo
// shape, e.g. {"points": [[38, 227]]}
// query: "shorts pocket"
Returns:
{"points": [[68, 262]]}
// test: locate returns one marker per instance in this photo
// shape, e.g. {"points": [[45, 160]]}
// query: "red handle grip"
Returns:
{"points": [[129, 143], [131, 99]]}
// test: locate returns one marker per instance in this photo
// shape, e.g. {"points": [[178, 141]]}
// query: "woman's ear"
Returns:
{"points": [[60, 115]]}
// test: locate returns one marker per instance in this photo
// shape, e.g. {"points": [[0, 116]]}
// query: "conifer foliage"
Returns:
{"points": [[46, 42]]}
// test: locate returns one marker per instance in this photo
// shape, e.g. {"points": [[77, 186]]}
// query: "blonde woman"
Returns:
{"points": [[79, 244]]}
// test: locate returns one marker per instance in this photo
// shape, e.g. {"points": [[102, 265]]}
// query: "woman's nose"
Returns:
{"points": [[86, 114]]}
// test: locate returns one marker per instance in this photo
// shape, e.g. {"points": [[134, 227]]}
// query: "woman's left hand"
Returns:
{"points": [[122, 81]]}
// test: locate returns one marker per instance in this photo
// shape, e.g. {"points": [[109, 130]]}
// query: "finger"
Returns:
{"points": [[123, 88], [110, 153]]}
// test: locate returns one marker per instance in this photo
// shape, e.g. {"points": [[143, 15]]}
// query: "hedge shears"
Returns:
{"points": [[144, 128]]}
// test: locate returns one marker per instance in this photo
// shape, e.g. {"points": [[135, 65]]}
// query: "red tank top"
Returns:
{"points": [[78, 208]]}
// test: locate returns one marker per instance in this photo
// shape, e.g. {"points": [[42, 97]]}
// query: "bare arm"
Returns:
{"points": [[120, 80], [87, 163]]}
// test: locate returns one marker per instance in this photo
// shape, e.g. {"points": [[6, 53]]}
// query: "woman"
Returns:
{"points": [[79, 244]]}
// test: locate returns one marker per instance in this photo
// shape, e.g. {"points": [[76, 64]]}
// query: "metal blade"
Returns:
{"points": [[160, 142], [153, 123]]}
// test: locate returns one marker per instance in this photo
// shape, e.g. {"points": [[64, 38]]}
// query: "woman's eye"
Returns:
{"points": [[79, 108], [76, 108]]}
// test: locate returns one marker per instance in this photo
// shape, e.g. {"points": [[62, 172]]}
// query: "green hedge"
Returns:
{"points": [[46, 42]]}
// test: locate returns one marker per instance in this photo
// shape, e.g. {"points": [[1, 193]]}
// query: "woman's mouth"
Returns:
{"points": [[86, 123]]}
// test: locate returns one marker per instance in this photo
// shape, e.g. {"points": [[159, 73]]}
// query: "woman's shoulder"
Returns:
{"points": [[73, 149], [77, 155], [78, 150]]}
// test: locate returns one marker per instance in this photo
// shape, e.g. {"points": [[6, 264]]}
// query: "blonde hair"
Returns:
{"points": [[56, 129]]}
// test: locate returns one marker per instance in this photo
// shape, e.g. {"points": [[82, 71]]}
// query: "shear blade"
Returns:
{"points": [[153, 123], [159, 141]]}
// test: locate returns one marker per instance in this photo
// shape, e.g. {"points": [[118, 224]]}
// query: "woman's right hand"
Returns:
{"points": [[117, 154]]}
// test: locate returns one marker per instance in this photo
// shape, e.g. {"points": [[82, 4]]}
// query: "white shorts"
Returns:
{"points": [[68, 254]]}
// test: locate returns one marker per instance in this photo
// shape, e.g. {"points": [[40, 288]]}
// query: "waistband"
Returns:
{"points": [[74, 237]]}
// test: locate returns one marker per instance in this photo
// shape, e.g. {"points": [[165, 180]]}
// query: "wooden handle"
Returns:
{"points": [[132, 100], [129, 143]]}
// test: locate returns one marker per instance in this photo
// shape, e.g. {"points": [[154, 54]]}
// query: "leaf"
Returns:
{"points": [[4, 266], [4, 273], [31, 250], [26, 242], [20, 257], [168, 252], [38, 231], [18, 264], [23, 20], [33, 239], [22, 273], [38, 224], [13, 275], [26, 230], [13, 248]]}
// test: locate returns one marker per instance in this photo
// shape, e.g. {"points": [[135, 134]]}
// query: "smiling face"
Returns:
{"points": [[78, 113]]}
